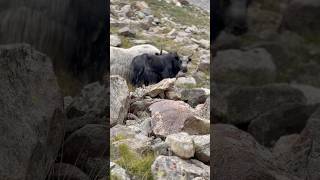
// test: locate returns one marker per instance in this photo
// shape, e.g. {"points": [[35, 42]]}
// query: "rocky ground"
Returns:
{"points": [[266, 95], [161, 131]]}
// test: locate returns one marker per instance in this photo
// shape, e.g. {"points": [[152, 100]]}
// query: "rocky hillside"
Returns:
{"points": [[267, 89], [161, 131]]}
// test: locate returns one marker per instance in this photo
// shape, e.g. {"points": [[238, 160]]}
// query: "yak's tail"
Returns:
{"points": [[136, 76]]}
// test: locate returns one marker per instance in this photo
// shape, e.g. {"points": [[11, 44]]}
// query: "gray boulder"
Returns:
{"points": [[302, 16], [126, 31], [31, 121], [181, 144], [118, 172], [119, 102], [89, 107], [204, 64], [252, 67], [169, 117], [310, 92], [302, 156], [240, 105], [115, 41], [284, 120], [87, 142], [195, 96], [202, 147], [284, 145], [120, 58], [172, 167], [236, 155], [204, 109]]}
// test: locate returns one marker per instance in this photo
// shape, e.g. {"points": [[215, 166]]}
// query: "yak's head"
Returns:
{"points": [[180, 63], [235, 16]]}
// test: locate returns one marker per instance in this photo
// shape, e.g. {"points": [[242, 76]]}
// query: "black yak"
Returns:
{"points": [[72, 33], [230, 15], [152, 68]]}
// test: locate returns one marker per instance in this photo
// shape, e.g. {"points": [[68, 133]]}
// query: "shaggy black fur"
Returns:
{"points": [[230, 15], [149, 69]]}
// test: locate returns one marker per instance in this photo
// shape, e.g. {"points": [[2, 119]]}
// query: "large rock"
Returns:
{"points": [[120, 58], [87, 108], [59, 29], [204, 64], [241, 105], [195, 96], [284, 145], [119, 102], [185, 81], [310, 92], [31, 120], [118, 172], [252, 67], [155, 90], [284, 120], [204, 109], [181, 144], [126, 31], [202, 147], [169, 117], [87, 142], [115, 40], [237, 155], [172, 167], [136, 142], [302, 16], [67, 171], [302, 156]]}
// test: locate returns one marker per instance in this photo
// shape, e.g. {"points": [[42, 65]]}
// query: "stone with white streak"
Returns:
{"points": [[181, 144]]}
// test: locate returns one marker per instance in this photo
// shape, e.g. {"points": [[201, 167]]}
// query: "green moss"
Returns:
{"points": [[136, 165]]}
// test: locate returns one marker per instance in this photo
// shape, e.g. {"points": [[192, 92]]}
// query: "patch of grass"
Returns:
{"points": [[119, 137], [166, 43], [136, 165], [113, 177], [186, 15], [114, 30], [131, 87], [125, 42]]}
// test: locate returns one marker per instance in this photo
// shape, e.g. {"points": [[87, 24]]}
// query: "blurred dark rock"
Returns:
{"points": [[32, 120]]}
